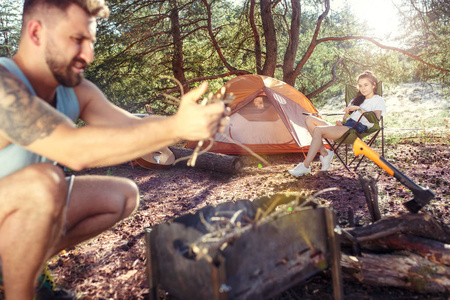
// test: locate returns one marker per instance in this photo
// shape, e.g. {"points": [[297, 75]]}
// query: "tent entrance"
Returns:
{"points": [[259, 109], [266, 116]]}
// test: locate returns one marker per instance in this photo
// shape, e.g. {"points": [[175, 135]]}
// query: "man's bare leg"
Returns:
{"points": [[32, 203], [96, 204]]}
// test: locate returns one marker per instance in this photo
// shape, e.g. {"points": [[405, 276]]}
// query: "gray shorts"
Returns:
{"points": [[70, 180]]}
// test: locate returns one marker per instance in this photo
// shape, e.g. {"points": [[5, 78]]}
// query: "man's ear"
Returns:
{"points": [[34, 32]]}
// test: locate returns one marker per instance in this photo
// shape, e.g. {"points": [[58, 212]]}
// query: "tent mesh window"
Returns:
{"points": [[259, 109]]}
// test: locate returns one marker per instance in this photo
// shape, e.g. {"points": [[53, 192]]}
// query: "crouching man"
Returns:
{"points": [[42, 94]]}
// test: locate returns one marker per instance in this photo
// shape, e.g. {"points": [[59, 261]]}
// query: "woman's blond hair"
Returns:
{"points": [[95, 8]]}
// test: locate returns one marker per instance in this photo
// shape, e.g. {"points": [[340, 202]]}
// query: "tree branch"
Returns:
{"points": [[329, 83], [314, 42], [415, 57], [234, 72], [256, 36], [213, 38]]}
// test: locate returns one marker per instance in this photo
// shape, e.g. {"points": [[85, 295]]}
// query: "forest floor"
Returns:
{"points": [[112, 265]]}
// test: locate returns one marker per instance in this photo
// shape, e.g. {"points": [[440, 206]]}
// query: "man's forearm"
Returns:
{"points": [[95, 146]]}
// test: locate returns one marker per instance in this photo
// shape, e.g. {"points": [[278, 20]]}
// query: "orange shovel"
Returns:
{"points": [[421, 195]]}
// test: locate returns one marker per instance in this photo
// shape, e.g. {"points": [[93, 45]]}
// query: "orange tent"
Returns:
{"points": [[266, 116]]}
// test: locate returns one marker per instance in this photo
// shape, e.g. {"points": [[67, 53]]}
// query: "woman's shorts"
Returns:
{"points": [[360, 128]]}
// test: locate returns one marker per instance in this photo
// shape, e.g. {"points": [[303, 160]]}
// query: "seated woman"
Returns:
{"points": [[366, 100]]}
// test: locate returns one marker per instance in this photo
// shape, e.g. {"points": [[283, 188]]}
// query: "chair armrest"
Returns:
{"points": [[370, 116]]}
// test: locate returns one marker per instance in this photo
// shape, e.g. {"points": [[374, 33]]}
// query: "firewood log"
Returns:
{"points": [[407, 251], [209, 161], [406, 270]]}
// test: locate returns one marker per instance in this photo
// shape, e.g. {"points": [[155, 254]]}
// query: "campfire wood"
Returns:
{"points": [[282, 244], [209, 161], [410, 251]]}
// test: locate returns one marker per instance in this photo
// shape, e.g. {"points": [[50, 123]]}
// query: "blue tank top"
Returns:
{"points": [[14, 157]]}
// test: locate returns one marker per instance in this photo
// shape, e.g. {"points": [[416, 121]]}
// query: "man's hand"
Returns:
{"points": [[199, 122]]}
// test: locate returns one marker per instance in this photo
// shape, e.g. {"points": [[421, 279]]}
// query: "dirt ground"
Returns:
{"points": [[112, 265]]}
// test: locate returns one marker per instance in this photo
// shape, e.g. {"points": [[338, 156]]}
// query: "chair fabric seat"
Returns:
{"points": [[350, 136]]}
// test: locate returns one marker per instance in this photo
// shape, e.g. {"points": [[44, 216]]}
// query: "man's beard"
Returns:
{"points": [[62, 72]]}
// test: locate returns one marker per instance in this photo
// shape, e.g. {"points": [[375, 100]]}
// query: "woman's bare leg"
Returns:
{"points": [[320, 132], [311, 124]]}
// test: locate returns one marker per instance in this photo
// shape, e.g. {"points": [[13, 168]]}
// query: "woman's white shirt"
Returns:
{"points": [[371, 104]]}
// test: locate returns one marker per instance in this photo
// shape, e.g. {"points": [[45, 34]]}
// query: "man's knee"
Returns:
{"points": [[46, 185], [131, 197]]}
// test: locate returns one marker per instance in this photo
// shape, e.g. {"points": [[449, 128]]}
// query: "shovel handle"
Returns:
{"points": [[359, 147]]}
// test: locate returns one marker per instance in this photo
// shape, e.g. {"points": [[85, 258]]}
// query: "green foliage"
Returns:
{"points": [[135, 50], [10, 22], [136, 47], [427, 34]]}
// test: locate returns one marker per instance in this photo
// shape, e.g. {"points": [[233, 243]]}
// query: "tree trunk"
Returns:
{"points": [[270, 62], [294, 37], [257, 42], [290, 78], [209, 161], [177, 59]]}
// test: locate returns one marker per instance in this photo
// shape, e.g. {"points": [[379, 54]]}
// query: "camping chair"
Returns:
{"points": [[350, 136]]}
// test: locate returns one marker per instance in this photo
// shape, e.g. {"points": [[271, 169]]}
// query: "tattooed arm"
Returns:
{"points": [[32, 123], [24, 118]]}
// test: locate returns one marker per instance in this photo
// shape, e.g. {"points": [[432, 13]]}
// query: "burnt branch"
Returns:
{"points": [[369, 186], [421, 225]]}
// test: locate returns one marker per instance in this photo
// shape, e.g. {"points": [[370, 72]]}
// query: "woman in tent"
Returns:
{"points": [[365, 100]]}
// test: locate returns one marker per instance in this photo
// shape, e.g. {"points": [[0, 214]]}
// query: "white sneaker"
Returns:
{"points": [[326, 160], [300, 170], [297, 167]]}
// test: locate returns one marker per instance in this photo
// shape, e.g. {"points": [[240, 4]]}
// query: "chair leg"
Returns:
{"points": [[337, 154], [369, 143], [382, 137], [346, 154], [359, 162]]}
